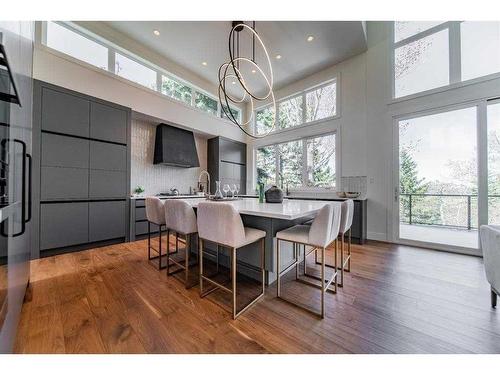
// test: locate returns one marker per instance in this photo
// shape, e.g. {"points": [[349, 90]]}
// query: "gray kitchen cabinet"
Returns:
{"points": [[141, 227], [140, 213], [108, 123], [107, 220], [227, 162], [232, 151], [107, 184], [81, 156], [64, 113], [62, 151], [64, 183], [108, 156], [63, 224]]}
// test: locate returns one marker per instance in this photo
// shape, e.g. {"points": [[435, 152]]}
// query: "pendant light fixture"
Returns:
{"points": [[232, 72]]}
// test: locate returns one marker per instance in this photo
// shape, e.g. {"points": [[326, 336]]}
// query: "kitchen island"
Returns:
{"points": [[270, 217]]}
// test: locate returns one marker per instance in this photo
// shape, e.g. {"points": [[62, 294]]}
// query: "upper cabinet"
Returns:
{"points": [[108, 123], [232, 151], [227, 161], [65, 113]]}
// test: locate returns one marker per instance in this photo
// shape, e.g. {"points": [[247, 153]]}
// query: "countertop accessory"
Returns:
{"points": [[351, 194], [341, 194], [139, 190], [274, 195], [260, 190], [218, 192]]}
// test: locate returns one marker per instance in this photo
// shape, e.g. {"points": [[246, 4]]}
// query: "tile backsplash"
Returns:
{"points": [[160, 178]]}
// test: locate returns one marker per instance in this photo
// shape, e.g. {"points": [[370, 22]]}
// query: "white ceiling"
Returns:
{"points": [[190, 43]]}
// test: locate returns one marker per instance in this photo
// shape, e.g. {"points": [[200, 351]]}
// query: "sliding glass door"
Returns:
{"points": [[447, 176], [438, 179]]}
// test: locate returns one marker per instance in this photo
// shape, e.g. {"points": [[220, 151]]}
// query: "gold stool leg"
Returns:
{"points": [[349, 252], [200, 261], [186, 258], [233, 271], [335, 264], [341, 284], [323, 282], [262, 263], [278, 286]]}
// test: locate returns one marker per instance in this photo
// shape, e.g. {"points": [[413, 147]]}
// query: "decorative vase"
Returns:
{"points": [[274, 195], [261, 192], [218, 192]]}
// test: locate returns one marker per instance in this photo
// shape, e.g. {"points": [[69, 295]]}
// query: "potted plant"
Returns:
{"points": [[139, 190]]}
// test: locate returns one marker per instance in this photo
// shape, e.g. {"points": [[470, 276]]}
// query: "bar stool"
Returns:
{"points": [[345, 226], [181, 219], [320, 234], [221, 224], [155, 214]]}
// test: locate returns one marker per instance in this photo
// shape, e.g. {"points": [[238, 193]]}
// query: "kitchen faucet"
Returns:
{"points": [[208, 180]]}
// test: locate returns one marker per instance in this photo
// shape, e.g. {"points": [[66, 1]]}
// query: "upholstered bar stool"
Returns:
{"points": [[221, 224], [181, 219], [319, 235], [155, 214]]}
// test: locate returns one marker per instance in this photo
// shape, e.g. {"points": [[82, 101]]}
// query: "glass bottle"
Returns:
{"points": [[218, 192]]}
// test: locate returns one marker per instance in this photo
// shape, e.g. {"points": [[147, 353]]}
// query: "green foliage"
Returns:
{"points": [[176, 90], [206, 103]]}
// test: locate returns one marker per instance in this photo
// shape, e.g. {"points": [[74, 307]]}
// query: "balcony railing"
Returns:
{"points": [[447, 210]]}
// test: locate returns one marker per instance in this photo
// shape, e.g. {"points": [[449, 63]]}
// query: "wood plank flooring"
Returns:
{"points": [[397, 299]]}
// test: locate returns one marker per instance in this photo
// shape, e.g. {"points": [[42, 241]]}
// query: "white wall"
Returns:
{"points": [[160, 178], [61, 70]]}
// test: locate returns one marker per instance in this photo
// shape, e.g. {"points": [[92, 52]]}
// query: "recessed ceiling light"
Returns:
{"points": [[310, 38], [204, 63], [234, 82], [156, 32], [253, 71], [278, 57]]}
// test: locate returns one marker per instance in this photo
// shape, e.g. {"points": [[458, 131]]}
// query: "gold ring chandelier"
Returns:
{"points": [[231, 71]]}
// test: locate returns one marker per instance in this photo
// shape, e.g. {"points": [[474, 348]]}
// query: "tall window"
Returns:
{"points": [[315, 104], [428, 55], [307, 162]]}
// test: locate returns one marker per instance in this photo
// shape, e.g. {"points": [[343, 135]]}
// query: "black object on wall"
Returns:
{"points": [[175, 147]]}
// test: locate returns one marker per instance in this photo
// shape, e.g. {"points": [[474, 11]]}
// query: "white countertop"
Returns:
{"points": [[288, 210]]}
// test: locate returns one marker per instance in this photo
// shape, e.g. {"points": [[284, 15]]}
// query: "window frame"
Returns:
{"points": [[454, 60], [303, 93], [304, 188], [41, 41]]}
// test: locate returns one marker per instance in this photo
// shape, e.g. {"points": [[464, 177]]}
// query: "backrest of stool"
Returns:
{"points": [[154, 210]]}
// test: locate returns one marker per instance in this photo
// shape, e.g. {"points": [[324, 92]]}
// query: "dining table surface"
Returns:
{"points": [[289, 209]]}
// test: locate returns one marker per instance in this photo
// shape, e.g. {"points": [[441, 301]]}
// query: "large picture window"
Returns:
{"points": [[429, 55], [306, 107], [303, 163]]}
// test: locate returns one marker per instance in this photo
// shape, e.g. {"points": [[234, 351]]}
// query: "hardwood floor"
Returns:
{"points": [[397, 299]]}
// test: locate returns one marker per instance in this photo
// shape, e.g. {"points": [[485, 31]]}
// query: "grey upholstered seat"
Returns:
{"points": [[320, 234], [323, 230], [221, 223], [490, 244], [154, 210], [180, 216]]}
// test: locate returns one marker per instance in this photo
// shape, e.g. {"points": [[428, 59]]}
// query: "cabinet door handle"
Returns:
{"points": [[23, 188], [30, 178]]}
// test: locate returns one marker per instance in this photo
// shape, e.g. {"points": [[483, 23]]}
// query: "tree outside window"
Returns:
{"points": [[176, 90]]}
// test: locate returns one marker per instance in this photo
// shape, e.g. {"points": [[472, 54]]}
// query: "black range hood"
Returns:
{"points": [[175, 147]]}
